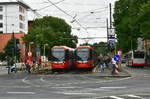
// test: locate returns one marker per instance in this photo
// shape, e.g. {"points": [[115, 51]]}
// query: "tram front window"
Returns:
{"points": [[58, 54], [83, 54]]}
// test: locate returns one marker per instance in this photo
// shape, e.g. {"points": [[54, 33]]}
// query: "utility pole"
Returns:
{"points": [[107, 30], [110, 16], [14, 44]]}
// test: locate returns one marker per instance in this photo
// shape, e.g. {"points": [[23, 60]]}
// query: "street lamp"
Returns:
{"points": [[44, 51], [29, 53], [30, 46]]}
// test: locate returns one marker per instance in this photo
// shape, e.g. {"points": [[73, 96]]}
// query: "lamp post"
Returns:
{"points": [[44, 51], [29, 53], [30, 46]]}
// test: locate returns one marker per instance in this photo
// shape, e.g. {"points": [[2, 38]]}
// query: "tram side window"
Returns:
{"points": [[129, 56], [138, 55]]}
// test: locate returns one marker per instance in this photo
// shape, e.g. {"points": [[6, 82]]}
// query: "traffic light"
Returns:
{"points": [[17, 47], [111, 47]]}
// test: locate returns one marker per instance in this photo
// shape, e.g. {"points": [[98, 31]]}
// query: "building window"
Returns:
{"points": [[21, 18], [1, 32], [1, 8], [1, 17], [21, 26], [21, 9], [1, 25]]}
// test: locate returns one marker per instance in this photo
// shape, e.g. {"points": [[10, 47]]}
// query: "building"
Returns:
{"points": [[7, 36], [13, 17]]}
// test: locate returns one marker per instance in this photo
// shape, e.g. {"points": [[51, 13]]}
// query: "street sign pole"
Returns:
{"points": [[119, 63]]}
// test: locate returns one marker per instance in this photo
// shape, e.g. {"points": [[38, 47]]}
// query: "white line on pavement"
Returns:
{"points": [[134, 96], [21, 92], [113, 87], [78, 93], [69, 87], [115, 97], [15, 86]]}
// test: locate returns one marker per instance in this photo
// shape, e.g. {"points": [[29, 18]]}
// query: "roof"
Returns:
{"points": [[17, 3], [84, 47], [65, 47], [6, 37]]}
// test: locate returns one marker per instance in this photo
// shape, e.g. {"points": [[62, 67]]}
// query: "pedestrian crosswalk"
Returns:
{"points": [[127, 96]]}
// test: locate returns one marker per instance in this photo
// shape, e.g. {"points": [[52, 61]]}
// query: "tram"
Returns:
{"points": [[62, 57], [136, 58], [84, 57]]}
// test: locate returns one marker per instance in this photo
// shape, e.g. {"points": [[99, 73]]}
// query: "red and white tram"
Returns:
{"points": [[62, 57], [136, 58], [84, 57]]}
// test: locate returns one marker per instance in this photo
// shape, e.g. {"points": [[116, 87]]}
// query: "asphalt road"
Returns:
{"points": [[76, 86]]}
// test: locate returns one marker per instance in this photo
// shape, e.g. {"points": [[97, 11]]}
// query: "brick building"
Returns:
{"points": [[4, 38]]}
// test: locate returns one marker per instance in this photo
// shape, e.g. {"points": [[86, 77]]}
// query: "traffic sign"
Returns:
{"points": [[116, 57], [29, 53]]}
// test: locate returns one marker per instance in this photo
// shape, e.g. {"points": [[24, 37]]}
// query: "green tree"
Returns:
{"points": [[52, 31], [12, 49], [101, 48], [2, 56], [144, 20], [127, 24]]}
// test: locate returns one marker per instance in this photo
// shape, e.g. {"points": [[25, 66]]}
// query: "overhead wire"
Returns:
{"points": [[74, 20], [50, 5], [94, 10], [68, 15]]}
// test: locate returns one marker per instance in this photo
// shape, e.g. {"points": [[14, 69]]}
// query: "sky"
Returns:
{"points": [[87, 17]]}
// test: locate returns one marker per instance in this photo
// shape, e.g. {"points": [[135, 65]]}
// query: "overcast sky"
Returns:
{"points": [[91, 15]]}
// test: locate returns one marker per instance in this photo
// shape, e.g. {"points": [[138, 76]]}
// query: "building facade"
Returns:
{"points": [[13, 17], [13, 20]]}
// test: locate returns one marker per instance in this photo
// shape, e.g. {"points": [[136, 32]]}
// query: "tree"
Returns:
{"points": [[101, 48], [12, 49], [144, 20], [52, 31], [2, 56], [127, 24]]}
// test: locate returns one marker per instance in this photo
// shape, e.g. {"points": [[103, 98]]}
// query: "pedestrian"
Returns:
{"points": [[101, 63], [22, 67], [113, 62], [28, 65]]}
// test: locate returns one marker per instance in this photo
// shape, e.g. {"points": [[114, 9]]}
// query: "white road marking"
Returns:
{"points": [[115, 97], [65, 87], [78, 93], [134, 96], [113, 87], [15, 86], [21, 92], [27, 82]]}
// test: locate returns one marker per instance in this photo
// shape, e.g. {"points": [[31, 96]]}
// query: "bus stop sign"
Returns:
{"points": [[116, 57]]}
